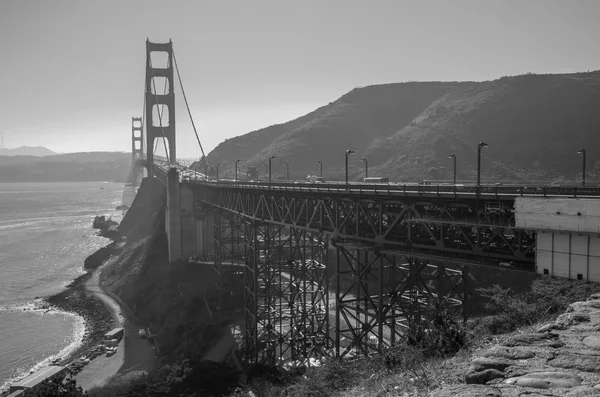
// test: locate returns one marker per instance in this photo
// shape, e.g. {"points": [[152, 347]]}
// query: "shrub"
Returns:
{"points": [[547, 296], [59, 387]]}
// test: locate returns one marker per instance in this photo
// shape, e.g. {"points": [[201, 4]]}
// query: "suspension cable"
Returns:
{"points": [[188, 108], [159, 112]]}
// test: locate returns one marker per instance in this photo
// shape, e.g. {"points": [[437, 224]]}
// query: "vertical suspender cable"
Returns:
{"points": [[188, 107]]}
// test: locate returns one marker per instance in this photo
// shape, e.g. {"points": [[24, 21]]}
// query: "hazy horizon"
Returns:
{"points": [[75, 70]]}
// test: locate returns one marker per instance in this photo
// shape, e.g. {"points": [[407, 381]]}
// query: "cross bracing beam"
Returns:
{"points": [[456, 230]]}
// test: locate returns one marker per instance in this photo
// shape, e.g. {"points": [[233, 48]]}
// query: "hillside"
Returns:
{"points": [[70, 167], [534, 125], [27, 151]]}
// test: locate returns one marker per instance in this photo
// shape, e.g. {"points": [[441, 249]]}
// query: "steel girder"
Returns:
{"points": [[389, 256], [228, 249], [286, 293], [475, 231], [378, 293]]}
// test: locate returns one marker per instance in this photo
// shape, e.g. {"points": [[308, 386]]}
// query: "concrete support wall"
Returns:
{"points": [[561, 214], [190, 228], [173, 216], [568, 255]]}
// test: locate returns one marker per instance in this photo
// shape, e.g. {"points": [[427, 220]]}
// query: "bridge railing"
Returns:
{"points": [[190, 176]]}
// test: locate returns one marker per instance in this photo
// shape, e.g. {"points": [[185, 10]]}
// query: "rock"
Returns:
{"points": [[585, 306], [567, 319], [576, 361], [594, 297], [550, 327], [592, 341], [466, 391], [482, 363], [546, 380], [513, 353], [538, 339], [482, 377]]}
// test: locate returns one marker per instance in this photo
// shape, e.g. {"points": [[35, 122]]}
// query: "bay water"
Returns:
{"points": [[45, 235]]}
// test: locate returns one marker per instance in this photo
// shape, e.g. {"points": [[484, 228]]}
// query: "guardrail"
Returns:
{"points": [[442, 190]]}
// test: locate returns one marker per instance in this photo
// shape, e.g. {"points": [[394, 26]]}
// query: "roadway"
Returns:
{"points": [[390, 189]]}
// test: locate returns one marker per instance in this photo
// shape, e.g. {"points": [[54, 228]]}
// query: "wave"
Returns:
{"points": [[76, 338]]}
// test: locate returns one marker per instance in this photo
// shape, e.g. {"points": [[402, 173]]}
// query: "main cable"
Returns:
{"points": [[188, 108]]}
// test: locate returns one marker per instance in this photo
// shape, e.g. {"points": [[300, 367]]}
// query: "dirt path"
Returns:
{"points": [[133, 353]]}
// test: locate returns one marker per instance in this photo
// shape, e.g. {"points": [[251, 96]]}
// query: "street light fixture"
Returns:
{"points": [[479, 147], [348, 152], [236, 169], [582, 151], [366, 166], [270, 158], [218, 164], [320, 168], [453, 157], [287, 171]]}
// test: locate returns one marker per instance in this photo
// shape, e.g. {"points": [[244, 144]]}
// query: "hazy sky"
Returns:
{"points": [[72, 72]]}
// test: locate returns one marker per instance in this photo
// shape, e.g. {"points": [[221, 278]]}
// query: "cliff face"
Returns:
{"points": [[176, 300], [534, 125]]}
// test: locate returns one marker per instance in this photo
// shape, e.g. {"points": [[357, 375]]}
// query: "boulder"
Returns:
{"points": [[546, 380], [482, 377], [537, 339], [567, 319], [512, 353], [482, 363], [592, 341], [576, 361]]}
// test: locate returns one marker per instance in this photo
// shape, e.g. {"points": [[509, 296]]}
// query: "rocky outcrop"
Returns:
{"points": [[559, 359], [107, 227], [97, 258]]}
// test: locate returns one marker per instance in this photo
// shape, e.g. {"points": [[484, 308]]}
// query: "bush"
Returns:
{"points": [[58, 387], [547, 297]]}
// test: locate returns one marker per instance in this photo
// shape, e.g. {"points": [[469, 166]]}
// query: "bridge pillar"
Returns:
{"points": [[137, 148], [173, 216], [158, 126]]}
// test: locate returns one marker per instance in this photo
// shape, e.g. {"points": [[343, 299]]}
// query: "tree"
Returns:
{"points": [[59, 387]]}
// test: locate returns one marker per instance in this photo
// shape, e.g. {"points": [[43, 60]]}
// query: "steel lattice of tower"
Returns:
{"points": [[159, 126]]}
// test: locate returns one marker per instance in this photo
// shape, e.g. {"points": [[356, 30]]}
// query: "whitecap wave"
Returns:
{"points": [[75, 340]]}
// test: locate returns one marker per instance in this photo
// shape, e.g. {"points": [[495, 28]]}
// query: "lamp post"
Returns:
{"points": [[348, 152], [236, 169], [287, 171], [479, 147], [453, 157], [206, 171], [582, 151], [320, 168], [366, 166], [218, 164], [270, 158]]}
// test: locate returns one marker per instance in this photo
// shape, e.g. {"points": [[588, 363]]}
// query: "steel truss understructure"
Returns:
{"points": [[384, 258]]}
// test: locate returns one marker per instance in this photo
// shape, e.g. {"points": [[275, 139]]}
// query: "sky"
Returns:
{"points": [[72, 71]]}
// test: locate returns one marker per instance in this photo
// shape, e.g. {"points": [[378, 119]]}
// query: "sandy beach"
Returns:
{"points": [[101, 313]]}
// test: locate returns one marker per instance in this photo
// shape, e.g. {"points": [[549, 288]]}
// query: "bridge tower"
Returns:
{"points": [[137, 147], [158, 126]]}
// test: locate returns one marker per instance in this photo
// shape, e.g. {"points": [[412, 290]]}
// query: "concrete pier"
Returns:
{"points": [[568, 235]]}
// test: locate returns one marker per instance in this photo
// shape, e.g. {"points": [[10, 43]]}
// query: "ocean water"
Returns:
{"points": [[45, 235]]}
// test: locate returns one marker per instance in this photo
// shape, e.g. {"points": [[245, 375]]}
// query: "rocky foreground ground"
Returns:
{"points": [[557, 359]]}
